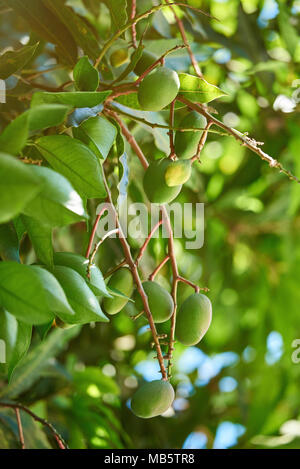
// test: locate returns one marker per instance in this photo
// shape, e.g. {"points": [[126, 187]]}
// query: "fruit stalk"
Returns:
{"points": [[133, 27], [134, 270]]}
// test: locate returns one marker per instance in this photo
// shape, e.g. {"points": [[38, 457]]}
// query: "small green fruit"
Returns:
{"points": [[160, 302], [123, 282], [152, 399], [155, 185], [119, 57], [146, 60], [186, 143], [158, 89], [178, 173], [193, 319]]}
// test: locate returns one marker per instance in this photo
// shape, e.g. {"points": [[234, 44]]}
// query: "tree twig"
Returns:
{"points": [[133, 27], [158, 268], [185, 40], [202, 141], [245, 140], [45, 423], [20, 428]]}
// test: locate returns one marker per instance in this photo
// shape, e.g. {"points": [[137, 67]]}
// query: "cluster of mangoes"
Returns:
{"points": [[156, 91], [193, 321]]}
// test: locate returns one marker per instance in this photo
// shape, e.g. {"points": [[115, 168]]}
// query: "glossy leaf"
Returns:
{"points": [[22, 293], [12, 61], [15, 135], [98, 134], [76, 162], [80, 265], [57, 300], [80, 297], [118, 13], [76, 99], [58, 204], [41, 238], [197, 89], [18, 186], [85, 75]]}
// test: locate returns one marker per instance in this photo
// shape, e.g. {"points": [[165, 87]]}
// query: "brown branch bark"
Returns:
{"points": [[134, 270], [185, 40], [133, 27], [45, 423], [20, 428], [245, 140]]}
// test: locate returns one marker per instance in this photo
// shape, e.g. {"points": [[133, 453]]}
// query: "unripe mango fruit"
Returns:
{"points": [[152, 399], [193, 319], [123, 282], [158, 89], [186, 143], [155, 185], [146, 60], [178, 173], [160, 301], [119, 57]]}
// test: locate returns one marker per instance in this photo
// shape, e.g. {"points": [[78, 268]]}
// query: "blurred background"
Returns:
{"points": [[240, 387]]}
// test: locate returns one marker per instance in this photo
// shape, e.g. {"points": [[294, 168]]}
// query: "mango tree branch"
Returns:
{"points": [[20, 428], [133, 27], [134, 270], [202, 142], [136, 20], [158, 268], [185, 40], [45, 423], [245, 140]]}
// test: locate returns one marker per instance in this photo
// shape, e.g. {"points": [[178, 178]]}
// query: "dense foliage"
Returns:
{"points": [[84, 115]]}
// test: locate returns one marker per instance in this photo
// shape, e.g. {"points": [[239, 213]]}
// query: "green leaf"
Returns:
{"points": [[18, 186], [41, 237], [17, 338], [197, 89], [47, 115], [76, 162], [77, 99], [15, 135], [22, 293], [56, 297], [118, 294], [12, 61], [80, 265], [43, 22], [29, 370], [98, 134], [129, 100], [85, 75], [80, 30], [80, 296], [135, 57], [9, 243], [58, 204], [118, 13]]}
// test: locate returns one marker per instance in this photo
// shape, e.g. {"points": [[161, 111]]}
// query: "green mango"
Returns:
{"points": [[119, 57], [178, 173], [146, 60], [152, 399], [193, 319], [186, 143], [155, 185], [158, 89], [123, 282], [160, 302]]}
